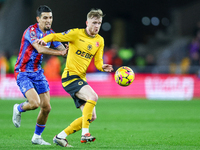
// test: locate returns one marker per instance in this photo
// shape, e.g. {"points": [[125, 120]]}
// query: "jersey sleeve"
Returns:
{"points": [[55, 43], [30, 35], [67, 36], [98, 58]]}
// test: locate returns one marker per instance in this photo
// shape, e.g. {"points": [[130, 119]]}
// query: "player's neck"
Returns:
{"points": [[42, 29], [88, 32]]}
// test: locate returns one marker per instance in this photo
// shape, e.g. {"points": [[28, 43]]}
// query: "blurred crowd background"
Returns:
{"points": [[150, 36]]}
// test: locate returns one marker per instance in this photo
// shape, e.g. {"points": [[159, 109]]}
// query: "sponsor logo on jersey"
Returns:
{"points": [[84, 54], [89, 47]]}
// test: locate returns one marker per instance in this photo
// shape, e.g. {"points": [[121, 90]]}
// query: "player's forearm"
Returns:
{"points": [[61, 47], [48, 51]]}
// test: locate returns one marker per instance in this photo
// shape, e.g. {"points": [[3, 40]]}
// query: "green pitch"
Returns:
{"points": [[121, 124]]}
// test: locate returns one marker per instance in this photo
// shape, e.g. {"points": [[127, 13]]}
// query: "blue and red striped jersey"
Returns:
{"points": [[29, 60]]}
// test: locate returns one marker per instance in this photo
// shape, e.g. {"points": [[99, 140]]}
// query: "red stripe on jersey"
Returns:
{"points": [[16, 74], [21, 49], [26, 57], [37, 59]]}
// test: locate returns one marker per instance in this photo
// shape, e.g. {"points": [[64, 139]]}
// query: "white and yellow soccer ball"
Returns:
{"points": [[124, 76]]}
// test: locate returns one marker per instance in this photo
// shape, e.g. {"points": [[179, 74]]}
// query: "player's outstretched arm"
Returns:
{"points": [[107, 67], [44, 50]]}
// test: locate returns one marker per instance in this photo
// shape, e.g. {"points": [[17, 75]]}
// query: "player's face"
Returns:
{"points": [[45, 21], [93, 25]]}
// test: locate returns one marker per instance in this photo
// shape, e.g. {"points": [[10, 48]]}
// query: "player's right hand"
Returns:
{"points": [[41, 42], [107, 68], [64, 52]]}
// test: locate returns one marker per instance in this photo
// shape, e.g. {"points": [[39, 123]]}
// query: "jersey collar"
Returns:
{"points": [[41, 30], [88, 34]]}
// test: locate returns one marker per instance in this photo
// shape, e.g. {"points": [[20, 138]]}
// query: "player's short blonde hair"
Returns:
{"points": [[95, 13]]}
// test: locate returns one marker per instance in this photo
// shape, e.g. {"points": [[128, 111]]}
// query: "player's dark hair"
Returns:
{"points": [[41, 9]]}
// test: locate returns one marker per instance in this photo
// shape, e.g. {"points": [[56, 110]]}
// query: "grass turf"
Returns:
{"points": [[121, 124]]}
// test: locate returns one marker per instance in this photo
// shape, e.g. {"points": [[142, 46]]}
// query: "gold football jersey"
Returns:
{"points": [[82, 48]]}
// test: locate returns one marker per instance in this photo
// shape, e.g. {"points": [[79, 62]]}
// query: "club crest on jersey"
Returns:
{"points": [[97, 44], [89, 47], [32, 34], [66, 32]]}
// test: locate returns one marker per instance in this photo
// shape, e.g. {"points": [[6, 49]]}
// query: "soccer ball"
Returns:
{"points": [[124, 76]]}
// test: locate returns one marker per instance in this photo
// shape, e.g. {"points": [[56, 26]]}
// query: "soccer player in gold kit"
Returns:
{"points": [[84, 44]]}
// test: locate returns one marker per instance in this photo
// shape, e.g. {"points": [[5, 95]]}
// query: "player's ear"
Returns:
{"points": [[86, 22], [38, 19]]}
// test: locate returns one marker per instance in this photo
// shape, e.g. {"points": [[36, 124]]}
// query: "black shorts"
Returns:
{"points": [[74, 87]]}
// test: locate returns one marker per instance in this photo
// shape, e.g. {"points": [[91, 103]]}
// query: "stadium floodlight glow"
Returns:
{"points": [[106, 26], [155, 21], [146, 21]]}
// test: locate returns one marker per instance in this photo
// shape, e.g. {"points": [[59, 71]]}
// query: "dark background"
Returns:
{"points": [[70, 14], [17, 15], [167, 43]]}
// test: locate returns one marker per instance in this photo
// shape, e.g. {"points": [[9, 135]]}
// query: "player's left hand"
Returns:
{"points": [[41, 42], [107, 67], [66, 50]]}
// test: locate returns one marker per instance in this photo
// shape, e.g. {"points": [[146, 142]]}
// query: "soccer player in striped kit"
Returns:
{"points": [[29, 74]]}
